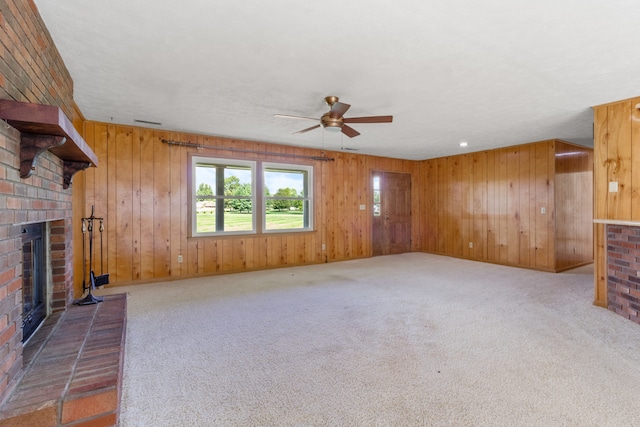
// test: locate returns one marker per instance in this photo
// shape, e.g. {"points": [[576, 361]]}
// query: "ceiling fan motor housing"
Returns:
{"points": [[331, 124]]}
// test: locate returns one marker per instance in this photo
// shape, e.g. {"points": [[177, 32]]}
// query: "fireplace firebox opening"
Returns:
{"points": [[34, 278]]}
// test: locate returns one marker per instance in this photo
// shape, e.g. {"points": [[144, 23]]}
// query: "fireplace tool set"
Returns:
{"points": [[88, 227]]}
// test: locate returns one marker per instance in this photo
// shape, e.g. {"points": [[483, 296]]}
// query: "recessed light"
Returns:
{"points": [[463, 144]]}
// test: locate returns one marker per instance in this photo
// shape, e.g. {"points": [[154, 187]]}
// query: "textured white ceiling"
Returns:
{"points": [[493, 73]]}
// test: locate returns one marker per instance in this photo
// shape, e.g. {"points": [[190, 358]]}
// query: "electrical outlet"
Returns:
{"points": [[324, 247], [543, 211], [470, 245], [363, 207], [180, 258]]}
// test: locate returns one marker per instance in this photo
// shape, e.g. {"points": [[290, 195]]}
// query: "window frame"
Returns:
{"points": [[307, 199], [258, 198], [219, 161]]}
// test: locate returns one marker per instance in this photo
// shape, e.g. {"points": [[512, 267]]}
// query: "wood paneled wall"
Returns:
{"points": [[141, 190], [574, 205], [617, 159], [492, 199], [488, 205]]}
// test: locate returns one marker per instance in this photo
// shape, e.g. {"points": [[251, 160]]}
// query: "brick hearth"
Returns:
{"points": [[73, 369]]}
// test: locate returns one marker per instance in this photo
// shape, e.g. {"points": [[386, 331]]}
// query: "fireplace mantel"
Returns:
{"points": [[46, 127]]}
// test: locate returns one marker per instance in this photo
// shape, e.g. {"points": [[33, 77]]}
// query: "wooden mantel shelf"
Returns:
{"points": [[46, 127]]}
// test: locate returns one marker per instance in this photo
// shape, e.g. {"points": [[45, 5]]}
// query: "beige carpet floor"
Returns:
{"points": [[407, 340]]}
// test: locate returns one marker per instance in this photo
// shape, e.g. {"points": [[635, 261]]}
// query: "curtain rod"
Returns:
{"points": [[240, 150]]}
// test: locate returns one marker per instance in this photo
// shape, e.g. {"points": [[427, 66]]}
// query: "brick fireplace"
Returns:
{"points": [[37, 199], [623, 270], [31, 71]]}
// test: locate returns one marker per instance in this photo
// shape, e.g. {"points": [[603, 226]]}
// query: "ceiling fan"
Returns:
{"points": [[333, 120]]}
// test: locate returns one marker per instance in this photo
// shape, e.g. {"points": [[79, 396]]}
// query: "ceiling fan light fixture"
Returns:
{"points": [[332, 127]]}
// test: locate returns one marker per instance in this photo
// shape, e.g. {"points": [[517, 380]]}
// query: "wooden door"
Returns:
{"points": [[391, 213]]}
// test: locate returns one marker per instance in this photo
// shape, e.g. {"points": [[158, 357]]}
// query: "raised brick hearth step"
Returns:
{"points": [[73, 369]]}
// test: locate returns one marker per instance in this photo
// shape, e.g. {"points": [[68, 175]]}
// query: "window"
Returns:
{"points": [[225, 199], [287, 197], [376, 196]]}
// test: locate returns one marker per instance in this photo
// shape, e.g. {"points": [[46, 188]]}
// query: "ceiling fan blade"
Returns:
{"points": [[307, 129], [370, 119], [349, 131], [338, 109], [287, 116]]}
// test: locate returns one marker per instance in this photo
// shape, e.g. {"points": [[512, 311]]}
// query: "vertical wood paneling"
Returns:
{"points": [[100, 197], [207, 255], [184, 223], [503, 205], [493, 251], [543, 202], [339, 208], [161, 207], [601, 165], [363, 221], [495, 199], [553, 202], [431, 200], [443, 196], [600, 184], [466, 202], [177, 175], [263, 251], [524, 203], [90, 173], [513, 206], [194, 266], [136, 193], [348, 208], [109, 210], [123, 186], [329, 211], [291, 249], [533, 204], [146, 205], [454, 207], [619, 160], [274, 256], [479, 206], [564, 187]]}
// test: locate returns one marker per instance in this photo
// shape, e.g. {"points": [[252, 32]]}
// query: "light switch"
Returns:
{"points": [[613, 187]]}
